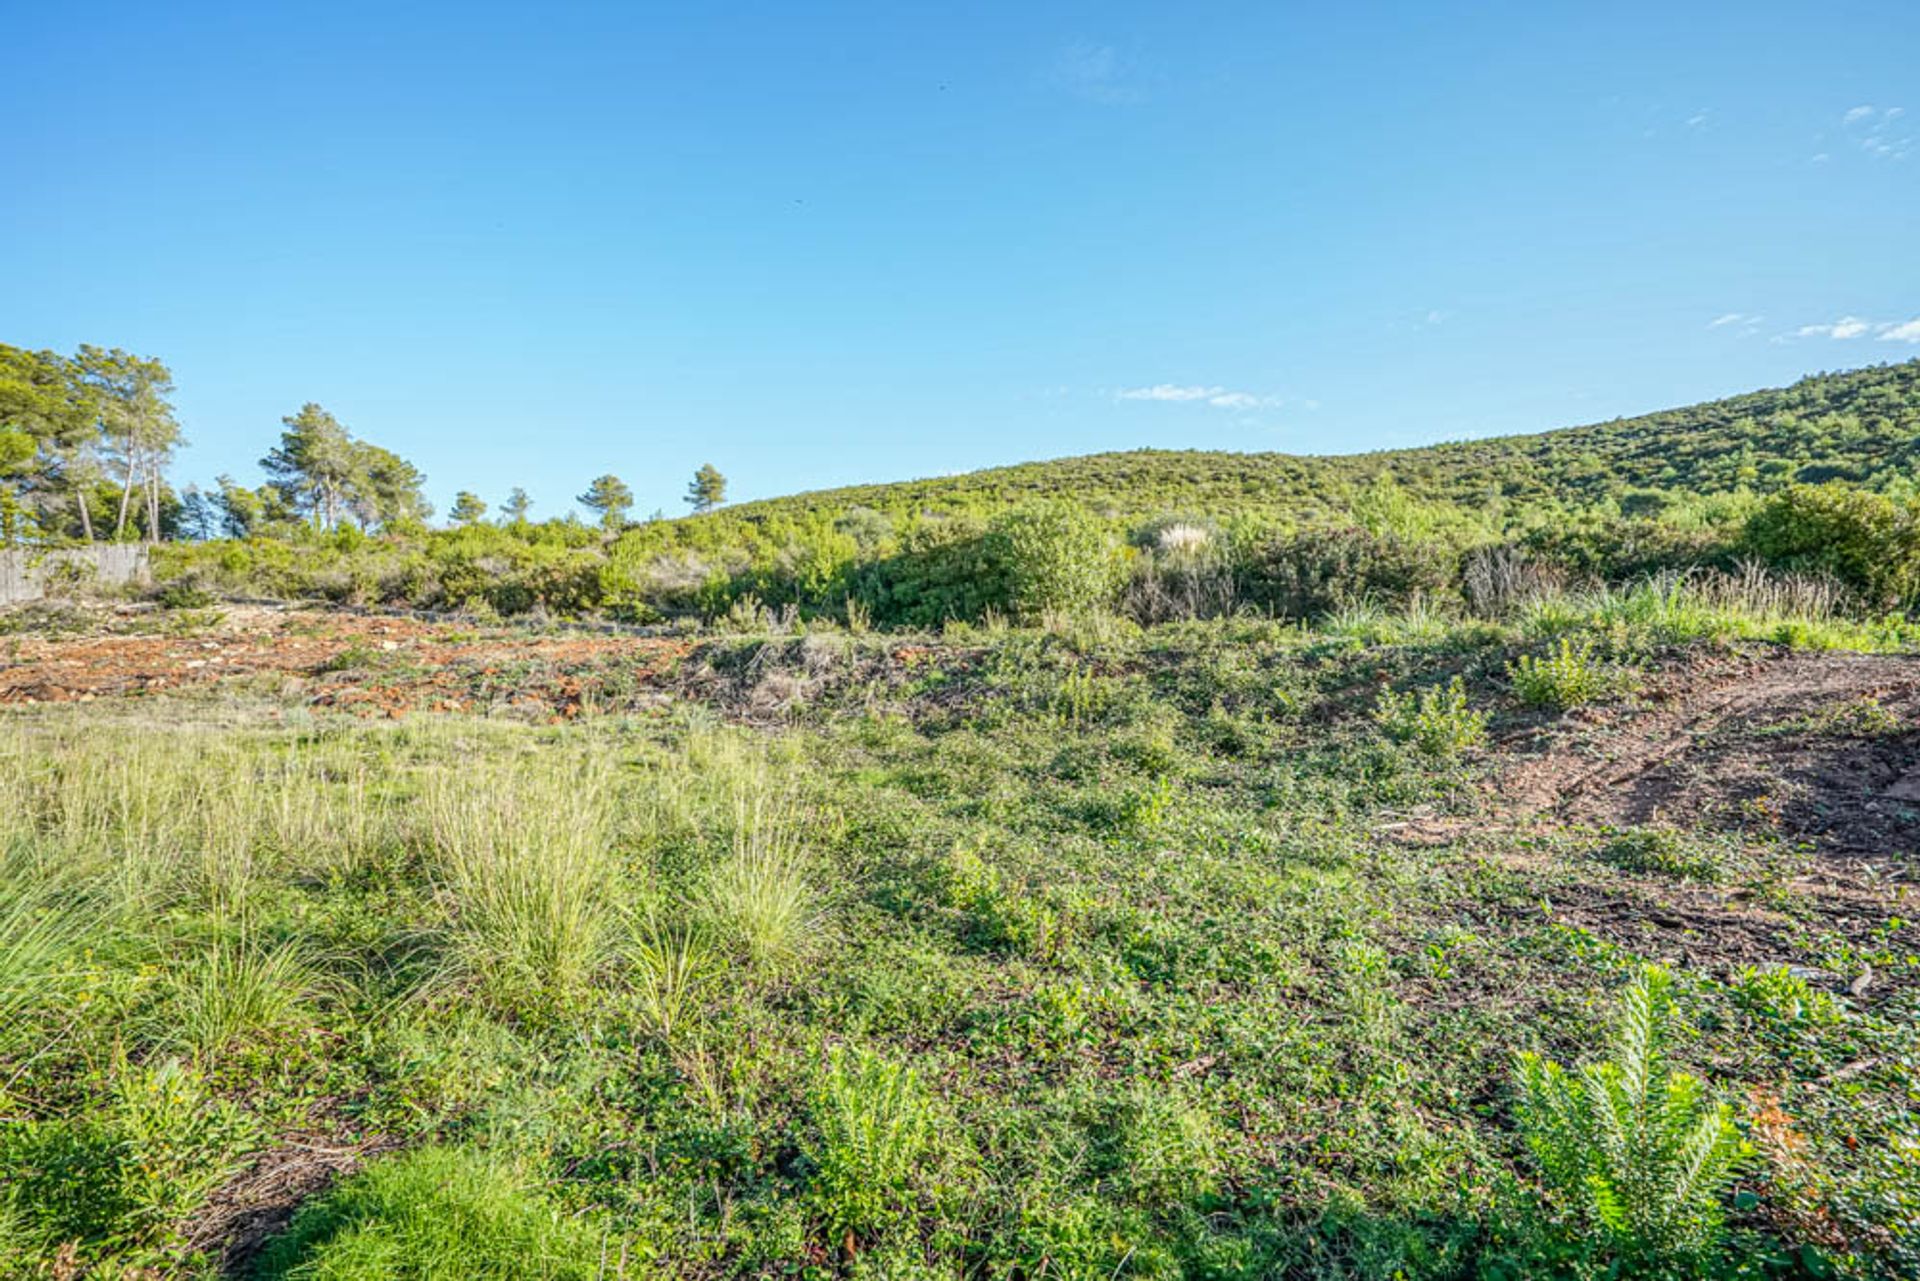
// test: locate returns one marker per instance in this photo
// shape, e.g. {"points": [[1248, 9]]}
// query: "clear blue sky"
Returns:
{"points": [[828, 243]]}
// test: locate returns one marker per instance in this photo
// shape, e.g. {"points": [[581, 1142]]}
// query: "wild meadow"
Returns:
{"points": [[1207, 949]]}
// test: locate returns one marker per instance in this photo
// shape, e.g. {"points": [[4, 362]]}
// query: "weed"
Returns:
{"points": [[1567, 676], [873, 1126], [1437, 720], [1664, 851], [1779, 995], [1631, 1149]]}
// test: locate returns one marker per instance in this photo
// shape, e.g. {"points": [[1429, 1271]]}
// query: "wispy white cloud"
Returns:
{"points": [[1879, 131], [1845, 327], [1734, 318], [1096, 73], [1218, 397], [1168, 391], [1857, 327]]}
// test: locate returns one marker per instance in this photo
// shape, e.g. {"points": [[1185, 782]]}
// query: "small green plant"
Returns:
{"points": [[1630, 1149], [1663, 851], [115, 1184], [1778, 995], [1567, 676], [1865, 717], [874, 1126], [1437, 720]]}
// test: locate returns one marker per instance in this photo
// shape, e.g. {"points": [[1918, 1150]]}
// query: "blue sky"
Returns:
{"points": [[827, 243]]}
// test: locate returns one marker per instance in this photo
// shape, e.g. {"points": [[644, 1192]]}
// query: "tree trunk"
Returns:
{"points": [[153, 503], [126, 499], [86, 516]]}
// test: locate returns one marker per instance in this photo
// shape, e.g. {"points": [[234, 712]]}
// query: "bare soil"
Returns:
{"points": [[1820, 749]]}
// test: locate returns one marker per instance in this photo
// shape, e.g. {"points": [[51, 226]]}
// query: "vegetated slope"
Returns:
{"points": [[1860, 426], [1473, 525]]}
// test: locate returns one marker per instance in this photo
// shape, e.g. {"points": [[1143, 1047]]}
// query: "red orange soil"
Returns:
{"points": [[368, 665]]}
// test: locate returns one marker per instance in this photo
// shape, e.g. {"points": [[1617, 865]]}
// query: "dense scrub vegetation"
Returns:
{"points": [[1816, 478]]}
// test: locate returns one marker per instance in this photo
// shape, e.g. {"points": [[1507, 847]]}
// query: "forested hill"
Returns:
{"points": [[1861, 426]]}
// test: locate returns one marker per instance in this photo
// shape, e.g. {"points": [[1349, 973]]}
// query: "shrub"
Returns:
{"points": [[1437, 720], [1567, 676], [1315, 572], [1633, 1151], [1059, 560], [436, 1212], [874, 1125], [943, 569], [1865, 539]]}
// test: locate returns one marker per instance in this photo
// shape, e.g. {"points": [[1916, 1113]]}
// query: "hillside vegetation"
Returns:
{"points": [[1815, 478]]}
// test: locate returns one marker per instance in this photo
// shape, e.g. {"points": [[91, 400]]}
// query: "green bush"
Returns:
{"points": [[1437, 720], [1316, 572], [1632, 1151], [1566, 676], [434, 1213], [1866, 540], [122, 1180], [942, 569], [1059, 561]]}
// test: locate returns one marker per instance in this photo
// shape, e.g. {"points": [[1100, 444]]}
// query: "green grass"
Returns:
{"points": [[435, 1213], [1086, 951]]}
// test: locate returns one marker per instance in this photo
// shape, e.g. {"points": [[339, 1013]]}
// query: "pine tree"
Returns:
{"points": [[708, 490]]}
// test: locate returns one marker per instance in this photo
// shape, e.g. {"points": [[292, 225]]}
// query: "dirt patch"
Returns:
{"points": [[364, 665], [257, 1205], [1816, 748]]}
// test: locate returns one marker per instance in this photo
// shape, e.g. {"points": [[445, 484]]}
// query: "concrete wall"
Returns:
{"points": [[23, 572]]}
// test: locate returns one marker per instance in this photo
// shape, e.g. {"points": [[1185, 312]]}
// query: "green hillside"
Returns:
{"points": [[1814, 478], [1860, 426]]}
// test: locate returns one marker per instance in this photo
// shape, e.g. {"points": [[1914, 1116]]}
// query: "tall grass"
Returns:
{"points": [[669, 966], [535, 888], [179, 811], [235, 990], [40, 927], [760, 898], [1752, 603]]}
